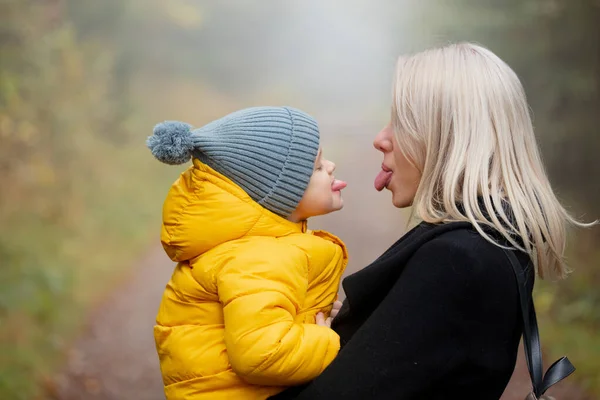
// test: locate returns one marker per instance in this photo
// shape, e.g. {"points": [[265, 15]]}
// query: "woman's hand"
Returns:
{"points": [[322, 321]]}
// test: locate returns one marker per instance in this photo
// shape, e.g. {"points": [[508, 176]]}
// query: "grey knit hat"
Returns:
{"points": [[268, 151]]}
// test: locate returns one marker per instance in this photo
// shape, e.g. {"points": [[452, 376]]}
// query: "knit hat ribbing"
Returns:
{"points": [[268, 151]]}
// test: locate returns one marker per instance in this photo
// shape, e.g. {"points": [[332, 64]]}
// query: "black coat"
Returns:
{"points": [[435, 317]]}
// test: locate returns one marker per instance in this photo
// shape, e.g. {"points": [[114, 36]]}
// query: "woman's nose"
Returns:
{"points": [[382, 141]]}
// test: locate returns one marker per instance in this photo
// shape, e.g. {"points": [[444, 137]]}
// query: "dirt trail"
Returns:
{"points": [[115, 359]]}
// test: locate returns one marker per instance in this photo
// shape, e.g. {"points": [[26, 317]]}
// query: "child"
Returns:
{"points": [[237, 319]]}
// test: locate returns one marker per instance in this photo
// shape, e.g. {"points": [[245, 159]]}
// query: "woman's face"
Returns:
{"points": [[397, 174]]}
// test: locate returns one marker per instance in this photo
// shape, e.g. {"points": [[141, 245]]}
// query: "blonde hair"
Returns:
{"points": [[461, 117]]}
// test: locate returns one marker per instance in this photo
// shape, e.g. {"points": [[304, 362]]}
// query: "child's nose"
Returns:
{"points": [[331, 167]]}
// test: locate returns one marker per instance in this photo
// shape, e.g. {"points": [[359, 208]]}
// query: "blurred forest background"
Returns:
{"points": [[82, 83]]}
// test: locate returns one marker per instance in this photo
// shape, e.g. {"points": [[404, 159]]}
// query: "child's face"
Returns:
{"points": [[323, 194]]}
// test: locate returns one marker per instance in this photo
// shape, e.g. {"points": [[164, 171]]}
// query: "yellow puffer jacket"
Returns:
{"points": [[237, 317]]}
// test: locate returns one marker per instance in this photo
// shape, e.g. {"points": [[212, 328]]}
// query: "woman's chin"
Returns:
{"points": [[401, 201]]}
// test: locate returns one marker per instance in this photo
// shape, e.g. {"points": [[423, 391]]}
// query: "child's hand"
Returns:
{"points": [[336, 309], [322, 321]]}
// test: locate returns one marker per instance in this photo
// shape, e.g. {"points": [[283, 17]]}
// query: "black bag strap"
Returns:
{"points": [[531, 339]]}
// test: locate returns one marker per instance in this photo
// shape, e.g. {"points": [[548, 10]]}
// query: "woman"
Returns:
{"points": [[437, 315]]}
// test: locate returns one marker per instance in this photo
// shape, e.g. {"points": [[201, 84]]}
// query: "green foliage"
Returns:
{"points": [[71, 213]]}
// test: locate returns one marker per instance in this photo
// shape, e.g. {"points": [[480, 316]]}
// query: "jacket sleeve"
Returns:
{"points": [[413, 339], [261, 291]]}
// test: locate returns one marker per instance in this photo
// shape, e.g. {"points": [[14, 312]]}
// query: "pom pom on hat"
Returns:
{"points": [[171, 142]]}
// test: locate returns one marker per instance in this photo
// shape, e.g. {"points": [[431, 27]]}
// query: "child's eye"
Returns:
{"points": [[320, 167]]}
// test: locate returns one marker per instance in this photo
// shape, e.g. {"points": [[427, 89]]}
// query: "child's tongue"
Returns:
{"points": [[382, 179], [338, 185]]}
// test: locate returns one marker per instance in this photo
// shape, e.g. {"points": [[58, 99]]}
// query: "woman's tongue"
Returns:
{"points": [[382, 180]]}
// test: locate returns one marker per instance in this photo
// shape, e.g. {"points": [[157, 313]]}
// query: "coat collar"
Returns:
{"points": [[366, 288]]}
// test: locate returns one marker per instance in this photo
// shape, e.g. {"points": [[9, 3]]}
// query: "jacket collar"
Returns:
{"points": [[366, 288]]}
